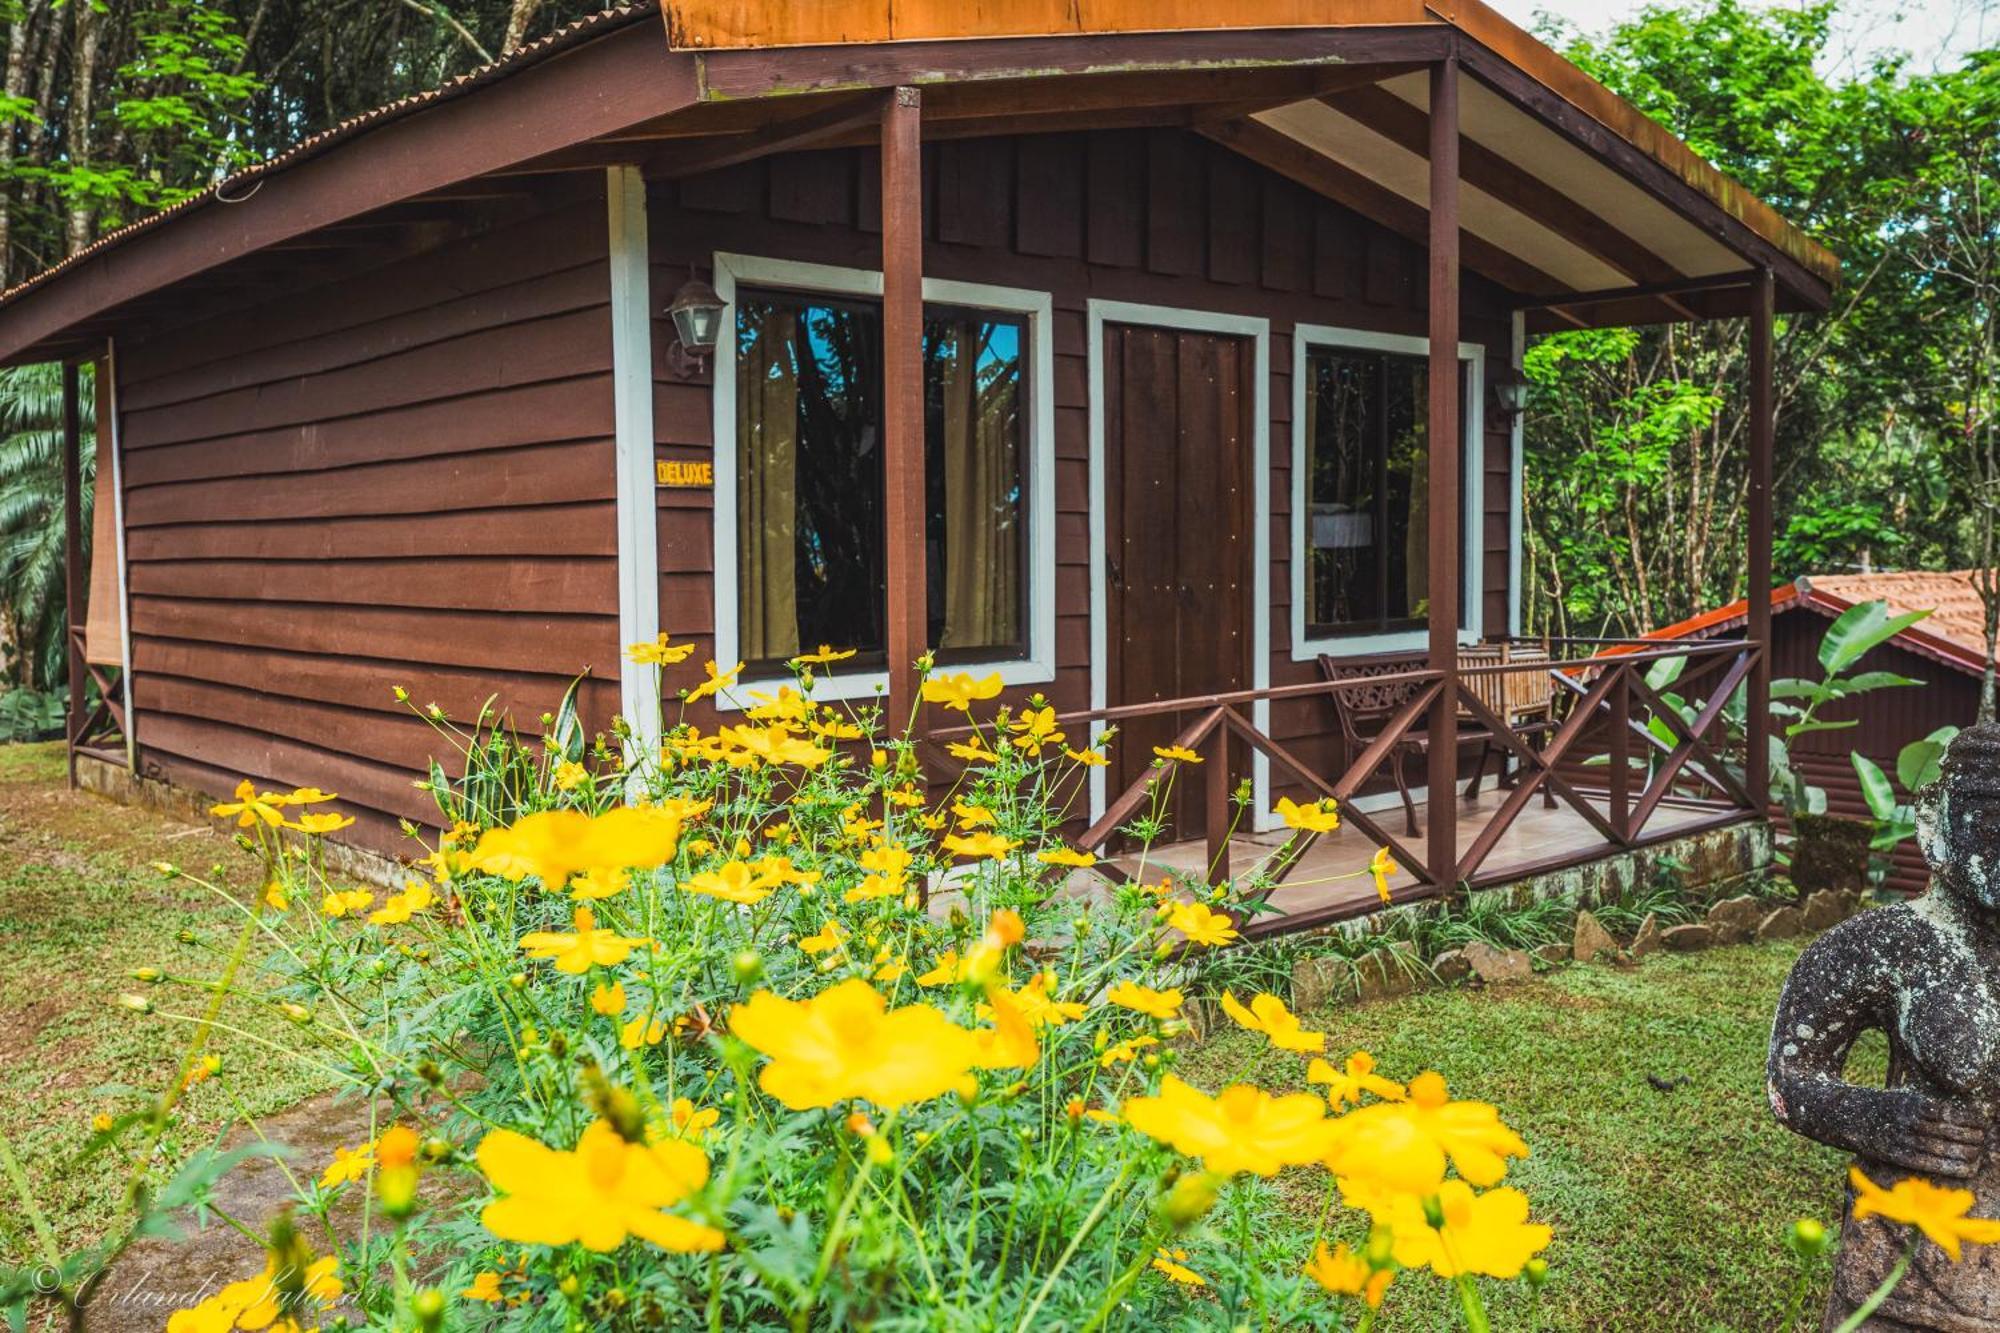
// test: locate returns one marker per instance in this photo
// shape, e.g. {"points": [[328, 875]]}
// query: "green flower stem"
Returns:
{"points": [[44, 1234], [1111, 1191], [1469, 1302], [1881, 1293]]}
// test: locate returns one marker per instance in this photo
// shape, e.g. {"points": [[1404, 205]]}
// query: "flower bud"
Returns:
{"points": [[747, 966], [138, 1004], [146, 974], [1190, 1199], [1807, 1238], [1536, 1272], [428, 1306]]}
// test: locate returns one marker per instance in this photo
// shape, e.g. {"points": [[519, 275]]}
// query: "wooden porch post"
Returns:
{"points": [[75, 577], [903, 394], [1443, 434], [1757, 732]]}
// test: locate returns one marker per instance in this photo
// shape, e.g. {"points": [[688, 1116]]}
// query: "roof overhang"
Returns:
{"points": [[1581, 209]]}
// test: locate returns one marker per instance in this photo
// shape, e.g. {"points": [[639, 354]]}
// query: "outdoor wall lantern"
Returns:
{"points": [[1510, 393], [697, 316]]}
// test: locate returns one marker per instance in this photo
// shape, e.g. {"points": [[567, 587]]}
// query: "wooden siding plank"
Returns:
{"points": [[531, 475], [485, 582], [529, 531]]}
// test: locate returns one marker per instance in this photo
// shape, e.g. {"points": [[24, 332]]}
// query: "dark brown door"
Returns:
{"points": [[1177, 435]]}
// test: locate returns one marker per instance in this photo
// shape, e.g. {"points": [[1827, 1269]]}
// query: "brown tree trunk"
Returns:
{"points": [[82, 85], [519, 16]]}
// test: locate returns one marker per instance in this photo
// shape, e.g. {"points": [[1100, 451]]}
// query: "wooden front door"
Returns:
{"points": [[1177, 453]]}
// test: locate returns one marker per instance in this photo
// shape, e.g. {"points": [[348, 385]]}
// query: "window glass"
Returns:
{"points": [[1367, 556], [811, 551]]}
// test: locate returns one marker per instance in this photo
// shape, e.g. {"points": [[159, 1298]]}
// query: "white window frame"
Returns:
{"points": [[1038, 666], [1472, 498]]}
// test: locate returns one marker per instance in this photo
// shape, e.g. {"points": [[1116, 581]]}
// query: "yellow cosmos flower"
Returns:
{"points": [[347, 1165], [400, 907], [717, 681], [1088, 758], [1161, 1004], [263, 1302], [1176, 754], [1010, 1042], [972, 751], [305, 796], [1201, 926], [568, 775], [1267, 1014], [1125, 1052], [948, 972], [1403, 1146], [648, 1029], [1038, 1008], [776, 745], [847, 1043], [554, 845], [1312, 817], [1066, 856], [1381, 866], [977, 846], [1035, 728], [1345, 1273], [832, 936], [826, 656], [1487, 1233], [1355, 1079], [596, 1196], [251, 805], [775, 870], [589, 947], [1173, 1263], [787, 705], [1244, 1129], [320, 823], [960, 691], [734, 883], [972, 816], [346, 902], [691, 1121], [608, 999], [658, 652], [1938, 1212], [834, 729], [485, 1287]]}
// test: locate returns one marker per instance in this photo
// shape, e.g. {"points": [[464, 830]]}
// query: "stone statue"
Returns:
{"points": [[1927, 974]]}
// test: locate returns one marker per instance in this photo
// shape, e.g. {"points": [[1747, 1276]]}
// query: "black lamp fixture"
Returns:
{"points": [[697, 314], [1510, 393]]}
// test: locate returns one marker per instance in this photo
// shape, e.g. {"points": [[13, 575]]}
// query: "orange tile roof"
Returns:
{"points": [[1954, 633]]}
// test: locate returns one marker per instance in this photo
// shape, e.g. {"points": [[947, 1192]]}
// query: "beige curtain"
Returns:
{"points": [[767, 428], [982, 557], [104, 627]]}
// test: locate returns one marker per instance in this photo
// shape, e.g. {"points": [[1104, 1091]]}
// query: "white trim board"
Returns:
{"points": [[1472, 497], [1039, 666], [110, 388], [1258, 330], [632, 415], [1517, 348]]}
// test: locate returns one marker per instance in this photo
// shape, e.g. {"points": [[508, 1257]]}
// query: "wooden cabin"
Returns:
{"points": [[1137, 355]]}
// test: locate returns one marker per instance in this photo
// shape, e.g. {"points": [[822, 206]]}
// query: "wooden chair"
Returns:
{"points": [[1524, 700]]}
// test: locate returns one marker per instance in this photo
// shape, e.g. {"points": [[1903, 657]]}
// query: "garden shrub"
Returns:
{"points": [[761, 1032]]}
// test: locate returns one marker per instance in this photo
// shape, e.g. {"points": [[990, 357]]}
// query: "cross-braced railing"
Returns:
{"points": [[1628, 730]]}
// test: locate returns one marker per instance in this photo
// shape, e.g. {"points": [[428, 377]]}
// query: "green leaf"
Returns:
{"points": [[1875, 788], [1859, 630], [1870, 680], [1917, 763], [1665, 671], [1820, 724]]}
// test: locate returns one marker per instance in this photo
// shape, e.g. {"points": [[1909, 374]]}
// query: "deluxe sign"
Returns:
{"points": [[674, 472]]}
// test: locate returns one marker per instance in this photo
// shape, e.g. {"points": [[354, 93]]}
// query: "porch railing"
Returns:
{"points": [[1625, 744]]}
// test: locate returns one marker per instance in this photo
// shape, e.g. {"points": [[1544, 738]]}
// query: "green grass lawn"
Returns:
{"points": [[79, 909], [1669, 1208]]}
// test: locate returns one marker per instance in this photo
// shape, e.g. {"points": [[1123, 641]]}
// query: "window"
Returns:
{"points": [[810, 547], [1364, 572]]}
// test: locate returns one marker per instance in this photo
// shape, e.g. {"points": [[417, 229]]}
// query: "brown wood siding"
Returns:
{"points": [[403, 477], [1159, 217]]}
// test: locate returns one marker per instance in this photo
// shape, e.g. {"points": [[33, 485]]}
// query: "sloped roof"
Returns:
{"points": [[1954, 634]]}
